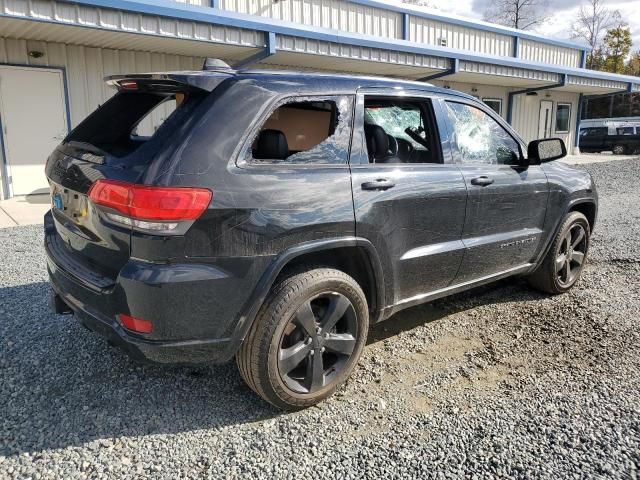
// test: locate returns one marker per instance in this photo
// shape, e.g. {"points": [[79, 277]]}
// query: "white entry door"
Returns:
{"points": [[546, 119], [33, 115]]}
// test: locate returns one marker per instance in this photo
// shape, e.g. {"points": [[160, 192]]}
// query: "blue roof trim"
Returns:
{"points": [[167, 8], [477, 24]]}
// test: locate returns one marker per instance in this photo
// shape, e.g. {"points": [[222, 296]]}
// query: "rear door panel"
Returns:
{"points": [[416, 226]]}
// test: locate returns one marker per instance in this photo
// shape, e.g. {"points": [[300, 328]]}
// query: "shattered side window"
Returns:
{"points": [[306, 130], [480, 139], [395, 121]]}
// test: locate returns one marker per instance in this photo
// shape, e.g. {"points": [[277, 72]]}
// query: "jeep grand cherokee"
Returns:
{"points": [[273, 216]]}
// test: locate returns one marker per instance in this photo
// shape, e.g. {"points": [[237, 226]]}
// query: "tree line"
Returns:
{"points": [[602, 28]]}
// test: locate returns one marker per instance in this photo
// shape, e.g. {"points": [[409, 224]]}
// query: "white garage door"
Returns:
{"points": [[33, 115]]}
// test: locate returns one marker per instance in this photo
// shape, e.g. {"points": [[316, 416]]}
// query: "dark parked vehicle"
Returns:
{"points": [[274, 216], [625, 141]]}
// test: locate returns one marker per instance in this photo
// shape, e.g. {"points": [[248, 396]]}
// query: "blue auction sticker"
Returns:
{"points": [[57, 201]]}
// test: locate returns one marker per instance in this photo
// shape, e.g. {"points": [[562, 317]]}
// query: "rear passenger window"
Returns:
{"points": [[306, 131], [400, 131], [480, 139]]}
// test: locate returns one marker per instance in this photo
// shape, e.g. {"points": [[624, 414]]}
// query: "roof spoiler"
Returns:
{"points": [[169, 82]]}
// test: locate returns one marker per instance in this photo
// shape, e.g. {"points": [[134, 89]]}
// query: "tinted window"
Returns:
{"points": [[594, 132], [306, 131], [480, 138], [563, 117], [625, 131], [130, 120], [400, 131]]}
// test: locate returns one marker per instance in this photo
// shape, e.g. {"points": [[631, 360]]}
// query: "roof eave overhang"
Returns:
{"points": [[211, 16]]}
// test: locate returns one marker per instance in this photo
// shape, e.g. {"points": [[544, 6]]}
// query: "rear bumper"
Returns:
{"points": [[195, 309], [178, 352]]}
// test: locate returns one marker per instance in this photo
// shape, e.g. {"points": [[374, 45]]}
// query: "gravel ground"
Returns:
{"points": [[498, 382]]}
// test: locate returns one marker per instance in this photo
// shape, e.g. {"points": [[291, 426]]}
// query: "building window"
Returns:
{"points": [[563, 117], [494, 104]]}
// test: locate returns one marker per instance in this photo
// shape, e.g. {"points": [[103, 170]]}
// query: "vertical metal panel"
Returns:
{"points": [[550, 54], [527, 114], [130, 22], [85, 68], [432, 32], [597, 83], [197, 3], [335, 14]]}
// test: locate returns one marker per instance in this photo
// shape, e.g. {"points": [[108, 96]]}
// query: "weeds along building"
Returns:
{"points": [[54, 55]]}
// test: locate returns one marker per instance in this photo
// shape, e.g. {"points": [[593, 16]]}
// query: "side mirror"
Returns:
{"points": [[547, 150]]}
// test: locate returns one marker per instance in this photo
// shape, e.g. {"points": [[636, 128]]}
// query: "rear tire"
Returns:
{"points": [[619, 150], [306, 339], [563, 264]]}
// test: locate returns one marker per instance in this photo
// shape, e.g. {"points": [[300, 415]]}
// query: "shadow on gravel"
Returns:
{"points": [[63, 386], [504, 291]]}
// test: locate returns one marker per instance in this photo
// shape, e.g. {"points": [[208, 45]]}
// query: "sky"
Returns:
{"points": [[561, 14]]}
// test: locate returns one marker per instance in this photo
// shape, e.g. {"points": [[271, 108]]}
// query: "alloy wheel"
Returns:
{"points": [[317, 343], [572, 255]]}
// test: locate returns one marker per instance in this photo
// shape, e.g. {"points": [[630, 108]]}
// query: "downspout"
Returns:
{"points": [[453, 69], [576, 141], [268, 50], [563, 83]]}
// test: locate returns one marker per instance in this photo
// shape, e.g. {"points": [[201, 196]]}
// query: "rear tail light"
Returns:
{"points": [[135, 324], [157, 209]]}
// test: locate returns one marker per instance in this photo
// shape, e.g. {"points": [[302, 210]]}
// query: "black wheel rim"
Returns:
{"points": [[317, 343], [572, 255]]}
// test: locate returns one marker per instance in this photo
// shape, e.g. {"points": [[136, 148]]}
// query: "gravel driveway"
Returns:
{"points": [[498, 382]]}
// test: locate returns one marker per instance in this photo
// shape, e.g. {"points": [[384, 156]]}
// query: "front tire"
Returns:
{"points": [[563, 265], [306, 339]]}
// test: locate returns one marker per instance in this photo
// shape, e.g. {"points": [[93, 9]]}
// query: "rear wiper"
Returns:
{"points": [[91, 153], [87, 147]]}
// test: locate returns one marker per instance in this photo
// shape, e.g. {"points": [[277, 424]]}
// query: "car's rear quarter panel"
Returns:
{"points": [[257, 210]]}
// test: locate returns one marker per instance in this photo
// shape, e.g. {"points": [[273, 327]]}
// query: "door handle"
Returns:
{"points": [[379, 184], [483, 181]]}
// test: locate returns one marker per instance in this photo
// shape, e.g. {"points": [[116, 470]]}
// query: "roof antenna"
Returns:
{"points": [[215, 64]]}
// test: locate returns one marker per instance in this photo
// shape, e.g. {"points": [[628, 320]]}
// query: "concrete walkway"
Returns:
{"points": [[586, 158], [29, 210]]}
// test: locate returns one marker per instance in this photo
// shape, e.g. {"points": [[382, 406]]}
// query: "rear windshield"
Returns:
{"points": [[130, 120]]}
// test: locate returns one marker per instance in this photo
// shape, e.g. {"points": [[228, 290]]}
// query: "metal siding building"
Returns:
{"points": [[63, 49]]}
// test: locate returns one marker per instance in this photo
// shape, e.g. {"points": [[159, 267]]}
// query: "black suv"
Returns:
{"points": [[275, 215], [625, 140]]}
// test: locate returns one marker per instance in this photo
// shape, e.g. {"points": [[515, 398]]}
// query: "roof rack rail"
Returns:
{"points": [[215, 64]]}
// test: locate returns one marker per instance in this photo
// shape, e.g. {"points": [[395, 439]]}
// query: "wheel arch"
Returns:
{"points": [[346, 254], [588, 208]]}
